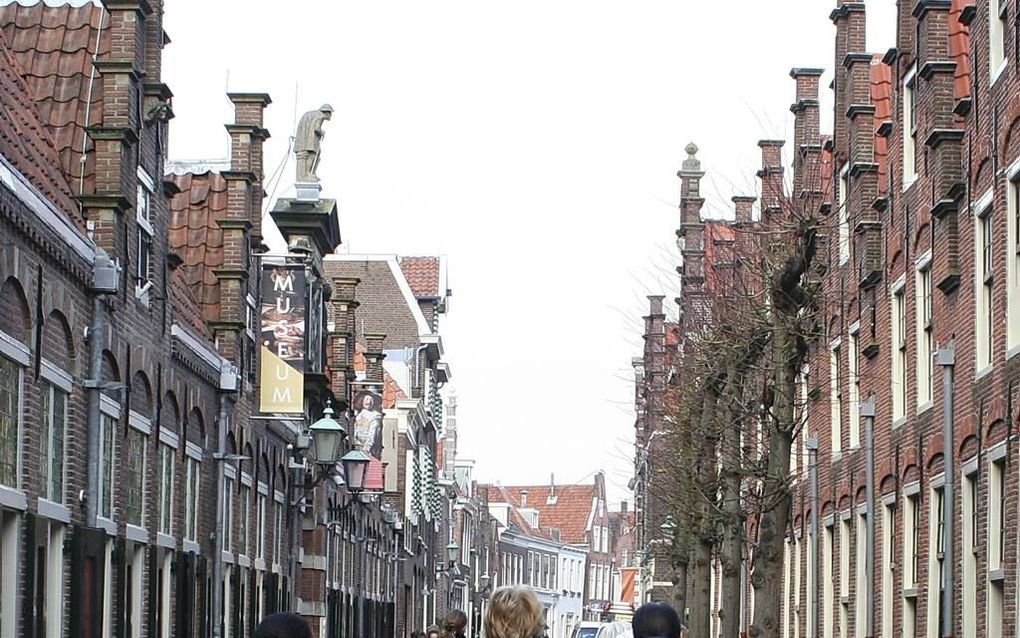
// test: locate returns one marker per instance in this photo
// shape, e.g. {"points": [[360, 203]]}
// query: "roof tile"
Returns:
{"points": [[196, 236], [569, 514], [53, 47], [422, 274], [25, 142]]}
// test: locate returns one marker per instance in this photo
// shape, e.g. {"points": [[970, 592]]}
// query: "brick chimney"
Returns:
{"points": [[115, 139], [374, 357], [771, 175], [238, 267], [341, 337], [806, 138], [943, 141], [743, 206], [247, 137]]}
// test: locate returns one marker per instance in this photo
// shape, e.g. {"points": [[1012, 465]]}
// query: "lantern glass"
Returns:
{"points": [[327, 436], [355, 463], [451, 551]]}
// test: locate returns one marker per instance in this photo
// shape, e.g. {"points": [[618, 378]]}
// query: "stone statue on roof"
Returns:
{"points": [[307, 141]]}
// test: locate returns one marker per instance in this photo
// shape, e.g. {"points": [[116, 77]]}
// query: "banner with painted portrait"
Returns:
{"points": [[368, 436], [282, 351]]}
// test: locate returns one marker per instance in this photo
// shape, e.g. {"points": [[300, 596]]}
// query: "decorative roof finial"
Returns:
{"points": [[692, 164]]}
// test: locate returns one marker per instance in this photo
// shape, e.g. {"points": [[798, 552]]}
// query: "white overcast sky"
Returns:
{"points": [[535, 143]]}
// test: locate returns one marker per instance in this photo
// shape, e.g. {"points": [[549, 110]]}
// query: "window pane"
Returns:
{"points": [[55, 484], [106, 477], [135, 476], [10, 401]]}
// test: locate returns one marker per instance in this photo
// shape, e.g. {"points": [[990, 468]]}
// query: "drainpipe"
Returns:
{"points": [[867, 410], [104, 282], [217, 590], [812, 447], [946, 357], [93, 390]]}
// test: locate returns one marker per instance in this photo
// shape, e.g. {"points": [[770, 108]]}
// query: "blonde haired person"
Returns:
{"points": [[514, 612]]}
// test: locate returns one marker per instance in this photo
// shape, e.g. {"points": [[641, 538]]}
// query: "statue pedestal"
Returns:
{"points": [[307, 191]]}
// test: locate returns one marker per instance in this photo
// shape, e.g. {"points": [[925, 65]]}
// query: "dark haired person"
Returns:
{"points": [[656, 620], [283, 625], [455, 623]]}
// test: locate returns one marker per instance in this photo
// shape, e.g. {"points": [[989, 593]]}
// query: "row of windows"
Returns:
{"points": [[900, 551]]}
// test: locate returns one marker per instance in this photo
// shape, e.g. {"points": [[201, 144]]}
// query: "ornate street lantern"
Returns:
{"points": [[327, 436], [355, 463]]}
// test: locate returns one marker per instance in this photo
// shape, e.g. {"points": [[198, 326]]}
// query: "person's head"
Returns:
{"points": [[418, 633], [283, 625], [366, 401], [656, 620], [433, 632], [514, 612], [455, 622]]}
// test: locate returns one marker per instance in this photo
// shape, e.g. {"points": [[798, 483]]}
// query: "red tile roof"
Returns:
{"points": [[499, 494], [26, 143], [881, 98], [569, 514], [54, 47], [826, 169], [959, 48], [196, 236], [422, 274]]}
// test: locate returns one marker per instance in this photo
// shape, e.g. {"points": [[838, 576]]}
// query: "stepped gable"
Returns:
{"points": [[881, 99], [26, 143], [422, 275], [54, 47], [196, 236]]}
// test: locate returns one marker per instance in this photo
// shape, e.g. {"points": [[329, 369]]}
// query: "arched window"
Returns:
{"points": [[136, 447], [169, 442], [57, 384], [14, 358]]}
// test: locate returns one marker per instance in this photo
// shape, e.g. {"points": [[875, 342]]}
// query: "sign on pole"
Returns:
{"points": [[284, 307]]}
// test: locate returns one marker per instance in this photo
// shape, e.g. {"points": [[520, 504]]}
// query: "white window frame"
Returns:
{"points": [[141, 426], [278, 525], [10, 559], [1013, 259], [143, 216], [898, 346], [860, 572], [969, 547], [936, 501], [854, 370], [844, 214], [18, 354], [984, 291], [924, 304], [192, 468], [229, 487], [262, 495], [166, 492], [827, 577], [998, 39], [910, 132], [836, 396], [889, 539], [57, 381], [844, 573], [109, 417]]}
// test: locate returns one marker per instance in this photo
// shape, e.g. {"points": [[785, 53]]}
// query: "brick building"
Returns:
{"points": [[141, 491], [580, 517], [920, 182]]}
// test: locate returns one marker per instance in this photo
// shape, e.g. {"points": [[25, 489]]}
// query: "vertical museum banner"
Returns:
{"points": [[284, 308]]}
